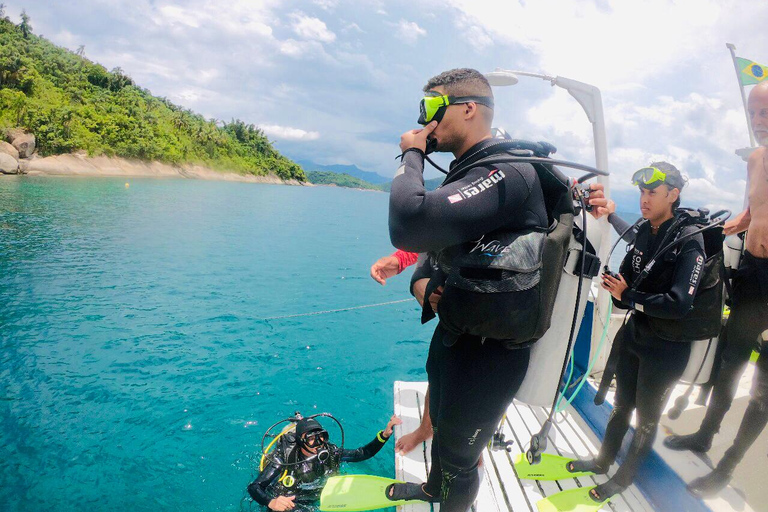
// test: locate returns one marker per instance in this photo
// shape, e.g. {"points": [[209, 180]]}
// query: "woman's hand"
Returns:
{"points": [[598, 201], [615, 286], [282, 503], [394, 420]]}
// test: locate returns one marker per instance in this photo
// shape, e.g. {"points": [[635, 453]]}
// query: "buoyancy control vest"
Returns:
{"points": [[303, 479], [504, 285], [703, 321]]}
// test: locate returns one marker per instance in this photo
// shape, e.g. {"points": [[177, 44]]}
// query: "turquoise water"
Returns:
{"points": [[137, 372]]}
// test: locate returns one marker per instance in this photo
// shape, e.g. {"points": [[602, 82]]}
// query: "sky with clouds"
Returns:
{"points": [[338, 81]]}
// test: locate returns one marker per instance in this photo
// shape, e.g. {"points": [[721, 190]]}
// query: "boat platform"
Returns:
{"points": [[571, 435]]}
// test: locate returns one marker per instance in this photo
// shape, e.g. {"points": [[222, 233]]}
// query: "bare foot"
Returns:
{"points": [[409, 442]]}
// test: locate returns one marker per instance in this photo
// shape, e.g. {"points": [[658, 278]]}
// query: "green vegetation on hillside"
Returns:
{"points": [[70, 103], [340, 180]]}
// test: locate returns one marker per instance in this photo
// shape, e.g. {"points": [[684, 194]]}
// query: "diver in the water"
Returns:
{"points": [[295, 472]]}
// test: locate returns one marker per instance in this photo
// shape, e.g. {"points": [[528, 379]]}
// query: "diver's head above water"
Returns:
{"points": [[758, 112], [461, 101], [660, 185], [311, 437]]}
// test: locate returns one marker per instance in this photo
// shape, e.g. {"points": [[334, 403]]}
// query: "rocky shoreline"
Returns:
{"points": [[101, 166], [18, 156]]}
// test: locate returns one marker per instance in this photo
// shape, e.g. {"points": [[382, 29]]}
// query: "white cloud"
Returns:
{"points": [[312, 28], [477, 37], [326, 5], [410, 31], [286, 132], [353, 27], [621, 42]]}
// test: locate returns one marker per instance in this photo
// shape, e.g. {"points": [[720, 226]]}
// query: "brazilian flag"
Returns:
{"points": [[751, 72]]}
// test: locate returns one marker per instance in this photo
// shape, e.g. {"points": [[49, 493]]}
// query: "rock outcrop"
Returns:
{"points": [[24, 143], [9, 149], [8, 164]]}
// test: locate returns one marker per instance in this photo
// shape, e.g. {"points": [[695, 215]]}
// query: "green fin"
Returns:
{"points": [[551, 467], [574, 500], [354, 493]]}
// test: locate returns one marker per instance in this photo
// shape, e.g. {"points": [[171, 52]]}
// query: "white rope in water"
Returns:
{"points": [[336, 310]]}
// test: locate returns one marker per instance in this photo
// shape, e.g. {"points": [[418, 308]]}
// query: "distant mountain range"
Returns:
{"points": [[351, 170]]}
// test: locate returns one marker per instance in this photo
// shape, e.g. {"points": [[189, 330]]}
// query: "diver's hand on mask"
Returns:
{"points": [[417, 138], [282, 503], [394, 420]]}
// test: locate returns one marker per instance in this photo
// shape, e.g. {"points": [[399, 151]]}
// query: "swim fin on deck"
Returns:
{"points": [[551, 467], [355, 493], [573, 500]]}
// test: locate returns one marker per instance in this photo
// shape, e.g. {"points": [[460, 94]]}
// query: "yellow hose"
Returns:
{"points": [[288, 428]]}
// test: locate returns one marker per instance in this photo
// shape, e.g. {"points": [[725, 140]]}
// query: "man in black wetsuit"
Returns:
{"points": [[748, 319], [652, 349], [472, 380], [298, 469]]}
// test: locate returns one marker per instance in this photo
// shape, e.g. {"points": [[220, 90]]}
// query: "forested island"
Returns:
{"points": [[54, 101]]}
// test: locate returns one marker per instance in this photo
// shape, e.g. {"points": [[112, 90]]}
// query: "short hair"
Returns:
{"points": [[461, 82], [675, 178], [464, 82]]}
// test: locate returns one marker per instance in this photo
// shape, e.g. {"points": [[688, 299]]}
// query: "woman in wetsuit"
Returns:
{"points": [[297, 471], [653, 347]]}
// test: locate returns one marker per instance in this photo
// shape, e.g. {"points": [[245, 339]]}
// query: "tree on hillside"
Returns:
{"points": [[80, 51], [25, 26], [2, 10]]}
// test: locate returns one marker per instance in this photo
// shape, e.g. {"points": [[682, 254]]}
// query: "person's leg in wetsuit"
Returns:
{"points": [[471, 385], [747, 321], [648, 368], [755, 420]]}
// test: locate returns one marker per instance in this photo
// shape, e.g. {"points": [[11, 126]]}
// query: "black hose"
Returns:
{"points": [[539, 440]]}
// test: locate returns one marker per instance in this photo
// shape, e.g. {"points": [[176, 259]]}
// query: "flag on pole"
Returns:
{"points": [[751, 72]]}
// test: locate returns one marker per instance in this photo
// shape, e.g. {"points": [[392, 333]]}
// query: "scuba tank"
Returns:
{"points": [[733, 249], [704, 353]]}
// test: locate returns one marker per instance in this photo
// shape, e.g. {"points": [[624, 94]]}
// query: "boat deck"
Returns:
{"points": [[501, 490]]}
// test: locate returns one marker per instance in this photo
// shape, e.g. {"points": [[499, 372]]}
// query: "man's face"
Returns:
{"points": [[758, 114], [448, 134], [655, 202]]}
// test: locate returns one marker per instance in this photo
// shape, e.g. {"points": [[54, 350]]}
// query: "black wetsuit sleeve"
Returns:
{"points": [[423, 269], [365, 452], [258, 488], [677, 302], [457, 212], [621, 226]]}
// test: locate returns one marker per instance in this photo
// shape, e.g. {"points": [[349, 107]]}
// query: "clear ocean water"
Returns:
{"points": [[137, 371]]}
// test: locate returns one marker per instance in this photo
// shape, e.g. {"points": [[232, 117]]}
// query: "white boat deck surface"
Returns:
{"points": [[500, 490]]}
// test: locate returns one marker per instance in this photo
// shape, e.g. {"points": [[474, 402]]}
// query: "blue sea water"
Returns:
{"points": [[137, 371]]}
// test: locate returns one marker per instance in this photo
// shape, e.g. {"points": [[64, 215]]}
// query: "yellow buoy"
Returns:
{"points": [[127, 185]]}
